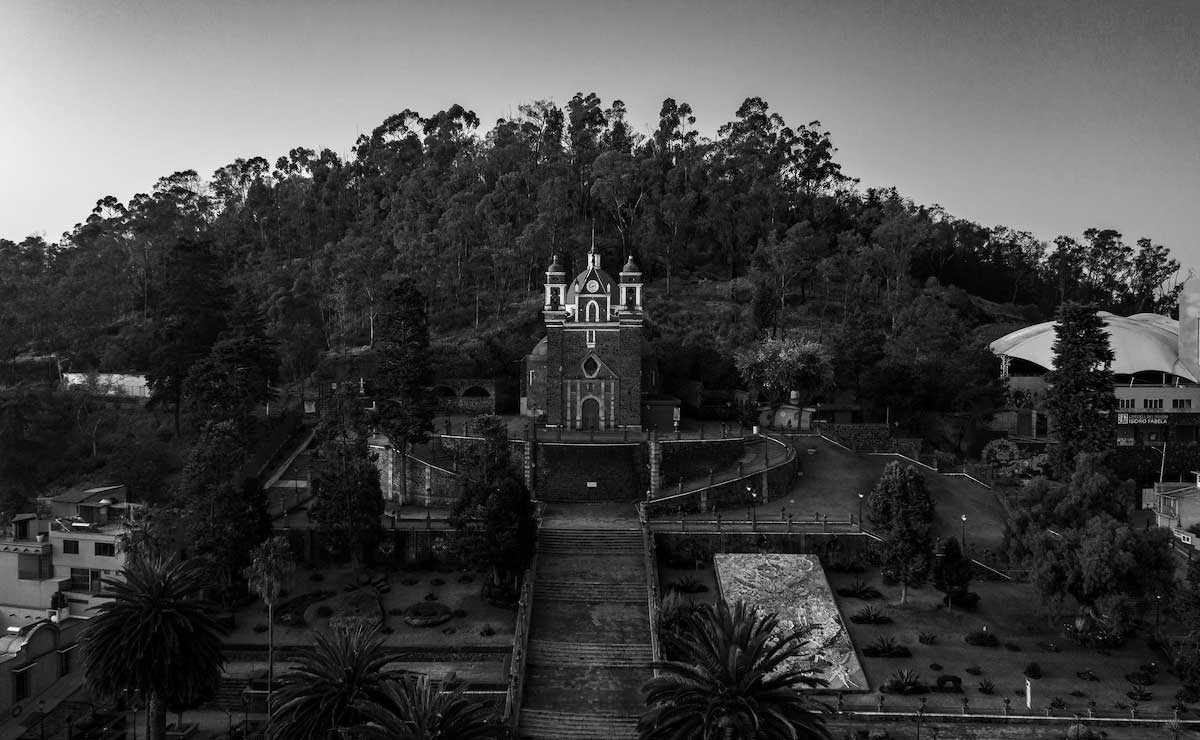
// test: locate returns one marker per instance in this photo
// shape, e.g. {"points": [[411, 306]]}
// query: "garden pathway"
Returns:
{"points": [[589, 645]]}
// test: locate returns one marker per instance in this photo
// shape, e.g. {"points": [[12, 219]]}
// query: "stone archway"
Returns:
{"points": [[589, 414]]}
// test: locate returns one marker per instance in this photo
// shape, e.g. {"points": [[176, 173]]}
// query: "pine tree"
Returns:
{"points": [[494, 516], [404, 376], [347, 500], [902, 513], [1080, 393]]}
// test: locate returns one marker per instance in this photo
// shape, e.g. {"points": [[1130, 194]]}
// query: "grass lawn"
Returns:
{"points": [[1010, 611], [406, 588]]}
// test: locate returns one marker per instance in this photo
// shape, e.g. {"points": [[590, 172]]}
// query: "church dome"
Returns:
{"points": [[592, 281], [630, 266], [555, 268]]}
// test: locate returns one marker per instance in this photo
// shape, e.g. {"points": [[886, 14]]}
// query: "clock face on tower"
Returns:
{"points": [[592, 286]]}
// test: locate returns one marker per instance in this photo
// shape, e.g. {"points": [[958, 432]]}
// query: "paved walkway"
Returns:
{"points": [[831, 477]]}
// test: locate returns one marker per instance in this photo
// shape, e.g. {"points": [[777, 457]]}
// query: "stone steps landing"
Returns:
{"points": [[544, 724], [548, 652], [571, 542], [593, 592]]}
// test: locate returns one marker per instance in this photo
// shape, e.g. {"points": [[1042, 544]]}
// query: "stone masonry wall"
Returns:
{"points": [[564, 472], [691, 458]]}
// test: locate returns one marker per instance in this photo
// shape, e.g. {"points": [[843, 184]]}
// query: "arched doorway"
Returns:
{"points": [[590, 411]]}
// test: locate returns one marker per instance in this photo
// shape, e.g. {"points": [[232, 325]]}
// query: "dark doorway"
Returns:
{"points": [[591, 414]]}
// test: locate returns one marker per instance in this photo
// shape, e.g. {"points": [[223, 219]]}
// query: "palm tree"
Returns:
{"points": [[731, 682], [270, 570], [333, 684], [414, 710], [156, 636]]}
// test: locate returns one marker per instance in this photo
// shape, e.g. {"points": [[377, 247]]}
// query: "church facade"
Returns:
{"points": [[587, 373]]}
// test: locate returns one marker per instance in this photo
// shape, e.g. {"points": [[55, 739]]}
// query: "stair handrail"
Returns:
{"points": [[516, 672], [652, 587]]}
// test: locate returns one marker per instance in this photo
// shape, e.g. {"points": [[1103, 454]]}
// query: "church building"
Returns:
{"points": [[587, 373]]}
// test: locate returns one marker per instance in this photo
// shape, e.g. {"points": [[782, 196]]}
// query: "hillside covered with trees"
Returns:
{"points": [[756, 233]]}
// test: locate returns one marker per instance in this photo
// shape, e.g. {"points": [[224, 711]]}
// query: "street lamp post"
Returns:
{"points": [[964, 534], [1157, 602], [861, 497]]}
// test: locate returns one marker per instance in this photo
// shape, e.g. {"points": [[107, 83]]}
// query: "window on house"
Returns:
{"points": [[1152, 403], [33, 567], [70, 547], [590, 336], [1125, 403], [1181, 403], [106, 549], [21, 683], [85, 580], [64, 661], [590, 367]]}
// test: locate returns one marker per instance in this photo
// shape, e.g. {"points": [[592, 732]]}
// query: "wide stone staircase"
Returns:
{"points": [[589, 642]]}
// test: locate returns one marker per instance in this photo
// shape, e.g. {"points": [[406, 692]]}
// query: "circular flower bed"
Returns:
{"points": [[427, 614]]}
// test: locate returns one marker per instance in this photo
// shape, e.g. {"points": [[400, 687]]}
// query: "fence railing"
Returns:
{"points": [[792, 524], [516, 669], [867, 707], [653, 591], [787, 454]]}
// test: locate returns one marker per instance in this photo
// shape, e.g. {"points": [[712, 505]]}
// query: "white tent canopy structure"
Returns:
{"points": [[1144, 342]]}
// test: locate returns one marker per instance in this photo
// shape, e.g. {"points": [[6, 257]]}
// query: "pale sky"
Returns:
{"points": [[1045, 116]]}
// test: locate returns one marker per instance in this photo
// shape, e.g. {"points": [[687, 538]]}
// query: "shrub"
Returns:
{"points": [[905, 681], [1049, 647], [1140, 677], [431, 596], [449, 631], [1187, 694], [859, 590], [987, 687], [870, 615], [949, 684], [436, 582], [487, 631], [1032, 670], [975, 670], [324, 611], [1086, 676], [886, 647], [981, 638], [1078, 694], [1012, 647], [926, 638], [935, 666], [395, 612], [688, 585], [459, 613], [1058, 704], [468, 578]]}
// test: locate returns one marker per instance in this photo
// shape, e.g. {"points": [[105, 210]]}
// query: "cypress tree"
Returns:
{"points": [[1080, 393], [901, 511]]}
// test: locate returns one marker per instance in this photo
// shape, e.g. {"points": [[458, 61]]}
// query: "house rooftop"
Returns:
{"points": [[82, 495]]}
